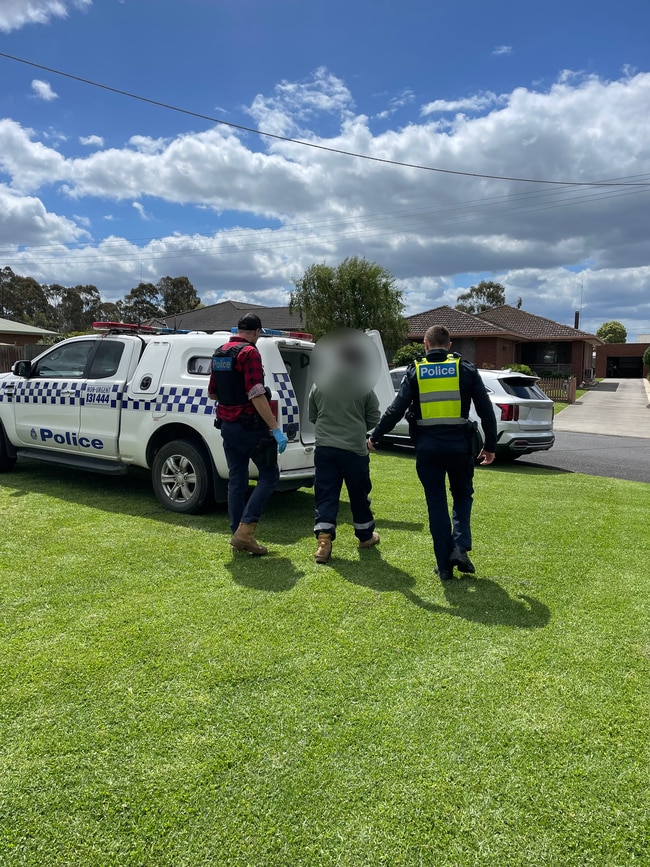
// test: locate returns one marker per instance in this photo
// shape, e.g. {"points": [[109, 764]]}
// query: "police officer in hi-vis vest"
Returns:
{"points": [[438, 392]]}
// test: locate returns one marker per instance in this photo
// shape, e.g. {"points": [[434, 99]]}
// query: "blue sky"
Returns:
{"points": [[96, 187]]}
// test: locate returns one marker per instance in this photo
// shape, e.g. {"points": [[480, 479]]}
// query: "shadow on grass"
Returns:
{"points": [[290, 515], [272, 574], [289, 518], [521, 467], [131, 494], [480, 600]]}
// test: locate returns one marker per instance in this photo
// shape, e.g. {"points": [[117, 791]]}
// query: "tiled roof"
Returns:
{"points": [[224, 315], [459, 324], [530, 326]]}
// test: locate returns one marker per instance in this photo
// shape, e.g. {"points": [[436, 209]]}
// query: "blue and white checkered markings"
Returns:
{"points": [[287, 402], [182, 399], [45, 391], [64, 393]]}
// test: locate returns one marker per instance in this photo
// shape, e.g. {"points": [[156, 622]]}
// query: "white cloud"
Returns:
{"points": [[293, 103], [395, 103], [95, 141], [139, 207], [15, 14], [499, 50], [475, 103], [24, 220], [147, 145], [436, 232], [43, 90]]}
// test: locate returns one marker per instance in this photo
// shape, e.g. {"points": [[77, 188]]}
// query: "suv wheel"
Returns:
{"points": [[181, 477]]}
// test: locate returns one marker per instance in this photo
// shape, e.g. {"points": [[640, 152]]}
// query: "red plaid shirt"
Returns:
{"points": [[249, 363]]}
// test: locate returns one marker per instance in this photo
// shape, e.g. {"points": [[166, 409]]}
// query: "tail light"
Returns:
{"points": [[509, 411]]}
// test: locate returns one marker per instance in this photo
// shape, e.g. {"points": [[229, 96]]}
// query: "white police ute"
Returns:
{"points": [[131, 395], [136, 396]]}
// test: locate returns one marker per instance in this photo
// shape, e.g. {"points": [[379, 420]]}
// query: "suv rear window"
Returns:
{"points": [[520, 387]]}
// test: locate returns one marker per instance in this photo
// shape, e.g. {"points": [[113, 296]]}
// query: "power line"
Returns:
{"points": [[470, 209], [248, 241], [309, 144]]}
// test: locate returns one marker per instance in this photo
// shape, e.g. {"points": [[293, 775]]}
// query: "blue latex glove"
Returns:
{"points": [[280, 439]]}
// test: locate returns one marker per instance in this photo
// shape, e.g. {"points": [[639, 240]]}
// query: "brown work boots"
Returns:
{"points": [[324, 550], [244, 540]]}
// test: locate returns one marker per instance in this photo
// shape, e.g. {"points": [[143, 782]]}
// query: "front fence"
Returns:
{"points": [[563, 390], [11, 352]]}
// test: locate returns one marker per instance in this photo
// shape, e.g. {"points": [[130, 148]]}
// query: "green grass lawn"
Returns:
{"points": [[165, 702]]}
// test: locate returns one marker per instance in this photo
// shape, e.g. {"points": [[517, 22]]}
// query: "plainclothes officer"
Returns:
{"points": [[248, 428], [343, 408], [438, 391]]}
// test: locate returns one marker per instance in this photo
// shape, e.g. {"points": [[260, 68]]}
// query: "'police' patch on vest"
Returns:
{"points": [[436, 371], [220, 363]]}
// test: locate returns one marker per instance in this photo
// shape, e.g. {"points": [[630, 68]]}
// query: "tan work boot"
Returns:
{"points": [[244, 540], [324, 550], [373, 540]]}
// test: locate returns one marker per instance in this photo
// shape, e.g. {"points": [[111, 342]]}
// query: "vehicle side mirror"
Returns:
{"points": [[22, 368]]}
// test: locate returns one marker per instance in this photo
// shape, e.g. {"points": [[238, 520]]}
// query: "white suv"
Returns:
{"points": [[523, 412]]}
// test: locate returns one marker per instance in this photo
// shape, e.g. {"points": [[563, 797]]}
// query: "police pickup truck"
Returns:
{"points": [[136, 396], [131, 396]]}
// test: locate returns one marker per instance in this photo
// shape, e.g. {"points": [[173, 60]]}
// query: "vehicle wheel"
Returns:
{"points": [[181, 477], [7, 463]]}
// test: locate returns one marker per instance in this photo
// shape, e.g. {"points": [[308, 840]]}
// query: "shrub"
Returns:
{"points": [[522, 368], [646, 356], [406, 354]]}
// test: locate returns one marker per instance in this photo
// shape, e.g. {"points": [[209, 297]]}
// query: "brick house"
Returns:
{"points": [[18, 340], [506, 335]]}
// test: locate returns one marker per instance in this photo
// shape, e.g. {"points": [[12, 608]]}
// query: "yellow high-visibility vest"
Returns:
{"points": [[439, 390]]}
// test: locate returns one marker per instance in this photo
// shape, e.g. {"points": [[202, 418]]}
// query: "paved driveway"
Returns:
{"points": [[605, 433], [617, 407]]}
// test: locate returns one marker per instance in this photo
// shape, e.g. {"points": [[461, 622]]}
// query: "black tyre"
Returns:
{"points": [[181, 477], [7, 463]]}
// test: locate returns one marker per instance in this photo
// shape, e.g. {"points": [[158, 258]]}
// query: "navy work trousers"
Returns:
{"points": [[333, 467], [433, 467], [241, 446]]}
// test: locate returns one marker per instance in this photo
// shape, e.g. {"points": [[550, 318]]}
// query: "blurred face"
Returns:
{"points": [[346, 361]]}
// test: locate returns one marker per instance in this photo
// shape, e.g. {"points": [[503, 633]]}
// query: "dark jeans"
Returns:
{"points": [[433, 467], [241, 446], [333, 467]]}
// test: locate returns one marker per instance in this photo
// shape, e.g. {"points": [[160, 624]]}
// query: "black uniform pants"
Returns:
{"points": [[333, 467], [434, 468]]}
